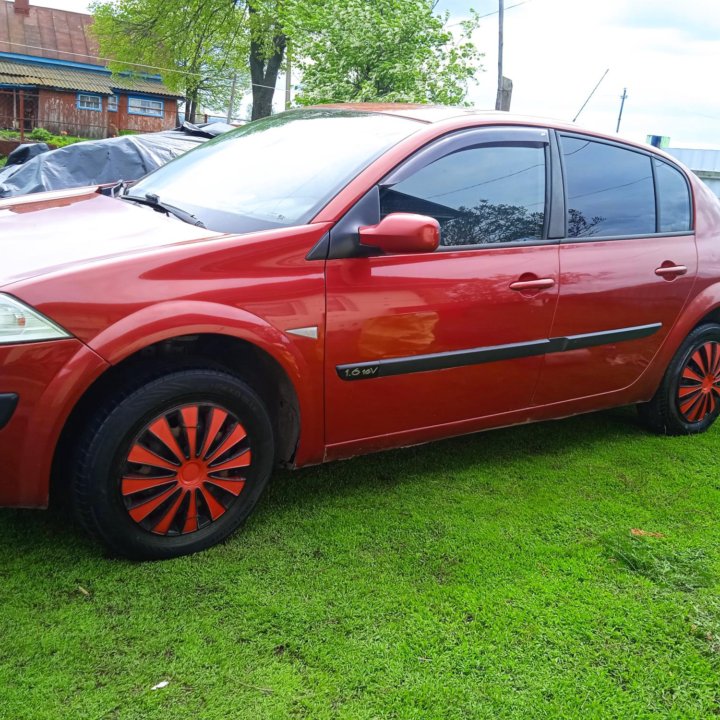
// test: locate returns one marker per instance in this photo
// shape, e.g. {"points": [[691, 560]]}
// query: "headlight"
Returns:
{"points": [[19, 323]]}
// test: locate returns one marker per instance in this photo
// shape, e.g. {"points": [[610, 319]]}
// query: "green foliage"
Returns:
{"points": [[197, 44], [385, 50], [3, 160], [41, 135], [491, 577], [355, 50]]}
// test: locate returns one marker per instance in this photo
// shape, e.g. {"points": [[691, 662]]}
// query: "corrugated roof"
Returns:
{"points": [[61, 78], [696, 159], [48, 33]]}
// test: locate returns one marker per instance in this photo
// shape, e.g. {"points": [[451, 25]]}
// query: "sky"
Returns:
{"points": [[665, 52]]}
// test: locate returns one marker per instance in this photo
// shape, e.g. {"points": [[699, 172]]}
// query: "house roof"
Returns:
{"points": [[61, 39], [48, 33], [65, 78]]}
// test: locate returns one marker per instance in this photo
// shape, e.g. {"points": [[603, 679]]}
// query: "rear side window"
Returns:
{"points": [[673, 198], [486, 194], [610, 190]]}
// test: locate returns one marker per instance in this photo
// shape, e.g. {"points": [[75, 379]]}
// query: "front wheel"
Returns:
{"points": [[174, 466], [688, 399]]}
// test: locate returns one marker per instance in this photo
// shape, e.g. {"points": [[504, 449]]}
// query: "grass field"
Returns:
{"points": [[492, 576]]}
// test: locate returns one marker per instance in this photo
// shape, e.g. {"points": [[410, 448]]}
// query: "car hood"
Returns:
{"points": [[46, 232]]}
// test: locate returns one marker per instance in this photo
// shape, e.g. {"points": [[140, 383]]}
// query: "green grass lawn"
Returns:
{"points": [[492, 576]]}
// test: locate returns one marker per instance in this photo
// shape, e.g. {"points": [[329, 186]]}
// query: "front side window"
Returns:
{"points": [[89, 102], [673, 198], [145, 106], [479, 195], [610, 190]]}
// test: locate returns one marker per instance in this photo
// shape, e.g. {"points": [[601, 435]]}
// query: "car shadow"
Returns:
{"points": [[313, 486], [393, 467]]}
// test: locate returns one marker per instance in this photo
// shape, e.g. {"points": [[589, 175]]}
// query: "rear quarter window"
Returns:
{"points": [[673, 198]]}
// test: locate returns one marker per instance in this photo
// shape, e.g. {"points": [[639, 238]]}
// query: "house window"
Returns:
{"points": [[113, 101], [89, 102], [146, 106]]}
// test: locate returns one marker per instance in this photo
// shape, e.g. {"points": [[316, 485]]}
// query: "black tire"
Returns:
{"points": [[666, 413], [107, 453]]}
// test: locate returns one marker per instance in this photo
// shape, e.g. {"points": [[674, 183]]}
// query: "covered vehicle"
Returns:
{"points": [[100, 162]]}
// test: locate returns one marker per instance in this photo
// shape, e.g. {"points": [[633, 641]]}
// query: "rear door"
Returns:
{"points": [[432, 339], [627, 264]]}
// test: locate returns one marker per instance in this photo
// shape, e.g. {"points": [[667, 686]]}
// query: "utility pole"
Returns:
{"points": [[232, 99], [288, 76], [501, 22], [622, 105]]}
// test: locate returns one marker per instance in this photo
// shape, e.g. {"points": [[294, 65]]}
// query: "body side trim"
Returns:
{"points": [[493, 353]]}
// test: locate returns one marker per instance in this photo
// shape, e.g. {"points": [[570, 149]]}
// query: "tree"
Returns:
{"points": [[385, 50], [393, 50], [195, 45]]}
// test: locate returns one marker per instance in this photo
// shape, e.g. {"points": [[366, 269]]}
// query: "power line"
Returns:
{"points": [[494, 12]]}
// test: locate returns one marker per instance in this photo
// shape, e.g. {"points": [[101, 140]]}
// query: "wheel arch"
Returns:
{"points": [[230, 353], [702, 309]]}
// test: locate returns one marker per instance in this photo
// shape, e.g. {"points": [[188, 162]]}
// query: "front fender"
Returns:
{"points": [[172, 319]]}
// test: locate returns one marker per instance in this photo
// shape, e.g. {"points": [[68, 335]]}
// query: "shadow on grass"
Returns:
{"points": [[310, 486]]}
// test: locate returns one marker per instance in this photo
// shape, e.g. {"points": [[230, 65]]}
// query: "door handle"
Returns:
{"points": [[536, 284], [669, 271]]}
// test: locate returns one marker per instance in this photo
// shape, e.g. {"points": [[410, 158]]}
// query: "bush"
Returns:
{"points": [[41, 135]]}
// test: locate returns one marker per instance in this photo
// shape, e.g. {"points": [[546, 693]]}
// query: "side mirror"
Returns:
{"points": [[402, 233]]}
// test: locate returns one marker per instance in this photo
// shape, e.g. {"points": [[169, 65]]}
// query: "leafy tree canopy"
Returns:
{"points": [[347, 50], [198, 44], [385, 50]]}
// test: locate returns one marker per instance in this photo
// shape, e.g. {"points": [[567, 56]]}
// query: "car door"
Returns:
{"points": [[433, 339], [627, 264]]}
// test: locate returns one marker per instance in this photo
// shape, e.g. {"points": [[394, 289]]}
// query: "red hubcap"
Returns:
{"points": [[699, 389], [185, 469]]}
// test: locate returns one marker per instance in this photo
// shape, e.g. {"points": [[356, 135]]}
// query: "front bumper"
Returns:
{"points": [[46, 379]]}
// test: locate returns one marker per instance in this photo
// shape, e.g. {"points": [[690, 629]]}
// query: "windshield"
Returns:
{"points": [[275, 172]]}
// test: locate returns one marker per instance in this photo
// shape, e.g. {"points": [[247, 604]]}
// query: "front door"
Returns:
{"points": [[627, 265], [435, 339]]}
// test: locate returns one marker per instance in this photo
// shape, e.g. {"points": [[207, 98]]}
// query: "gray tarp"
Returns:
{"points": [[97, 162]]}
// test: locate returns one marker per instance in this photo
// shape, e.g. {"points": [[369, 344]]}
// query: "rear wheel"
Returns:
{"points": [[688, 399], [174, 466]]}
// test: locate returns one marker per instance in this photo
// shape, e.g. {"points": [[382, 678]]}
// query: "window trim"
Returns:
{"points": [[87, 94], [559, 134], [146, 114], [691, 203], [117, 106], [469, 138], [343, 241]]}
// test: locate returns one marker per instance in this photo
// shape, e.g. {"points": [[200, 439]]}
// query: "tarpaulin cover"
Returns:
{"points": [[22, 153], [96, 162]]}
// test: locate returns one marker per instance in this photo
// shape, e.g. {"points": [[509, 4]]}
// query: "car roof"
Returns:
{"points": [[432, 114]]}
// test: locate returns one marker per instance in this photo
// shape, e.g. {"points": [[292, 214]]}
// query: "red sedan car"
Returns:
{"points": [[334, 281]]}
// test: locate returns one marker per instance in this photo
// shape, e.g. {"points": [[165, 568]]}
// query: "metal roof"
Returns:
{"points": [[48, 33], [699, 161], [62, 78]]}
